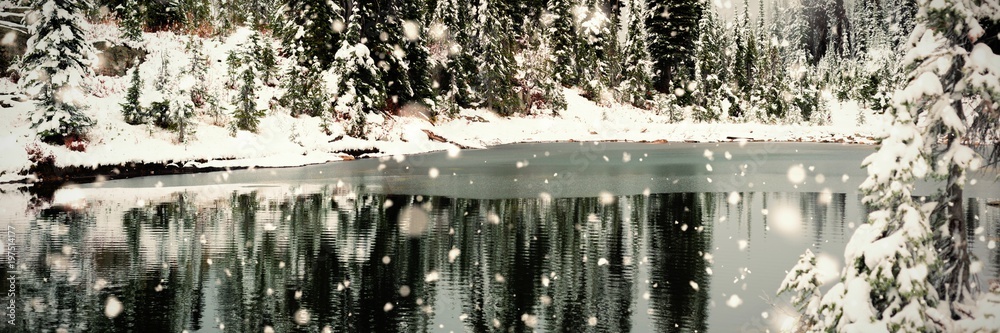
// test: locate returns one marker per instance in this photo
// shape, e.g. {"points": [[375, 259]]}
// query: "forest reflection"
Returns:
{"points": [[348, 261]]}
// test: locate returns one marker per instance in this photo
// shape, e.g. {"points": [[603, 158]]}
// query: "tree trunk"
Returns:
{"points": [[953, 247]]}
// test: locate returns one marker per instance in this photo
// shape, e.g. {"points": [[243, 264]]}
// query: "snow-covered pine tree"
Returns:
{"points": [[261, 54], [496, 59], [955, 78], [54, 63], [637, 70], [773, 69], [246, 116], [168, 102], [201, 96], [417, 55], [131, 23], [900, 16], [247, 64], [912, 257], [673, 30], [132, 112], [885, 285], [313, 31], [451, 50], [360, 90], [713, 69], [790, 24], [305, 92], [565, 40], [806, 97], [612, 45], [195, 15], [536, 72], [382, 29], [593, 62]]}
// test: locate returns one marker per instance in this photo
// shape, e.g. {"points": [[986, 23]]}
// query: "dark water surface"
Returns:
{"points": [[610, 237]]}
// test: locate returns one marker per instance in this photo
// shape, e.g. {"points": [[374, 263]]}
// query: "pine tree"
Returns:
{"points": [[745, 66], [593, 56], [537, 71], [132, 21], [496, 59], [52, 67], [201, 96], [131, 110], [565, 40], [195, 14], [305, 92], [262, 57], [673, 29], [417, 54], [817, 36], [451, 49], [383, 32], [941, 93], [908, 268], [313, 32], [360, 90], [637, 73], [901, 14], [612, 47], [712, 69], [246, 117]]}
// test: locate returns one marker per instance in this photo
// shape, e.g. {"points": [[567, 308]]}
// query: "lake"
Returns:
{"points": [[612, 237]]}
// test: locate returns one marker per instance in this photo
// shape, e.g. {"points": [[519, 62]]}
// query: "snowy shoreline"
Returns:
{"points": [[49, 175], [284, 140]]}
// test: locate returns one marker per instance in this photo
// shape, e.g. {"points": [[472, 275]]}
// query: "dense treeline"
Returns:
{"points": [[514, 57]]}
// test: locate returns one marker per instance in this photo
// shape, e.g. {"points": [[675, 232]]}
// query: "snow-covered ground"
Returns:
{"points": [[283, 140]]}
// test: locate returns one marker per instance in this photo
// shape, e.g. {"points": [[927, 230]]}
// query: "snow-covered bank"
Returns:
{"points": [[282, 140], [584, 120]]}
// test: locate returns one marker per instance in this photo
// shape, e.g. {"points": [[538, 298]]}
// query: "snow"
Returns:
{"points": [[283, 140]]}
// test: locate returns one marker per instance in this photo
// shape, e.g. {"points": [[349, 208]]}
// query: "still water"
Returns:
{"points": [[610, 237]]}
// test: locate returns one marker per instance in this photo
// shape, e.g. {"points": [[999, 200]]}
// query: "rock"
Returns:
{"points": [[115, 60]]}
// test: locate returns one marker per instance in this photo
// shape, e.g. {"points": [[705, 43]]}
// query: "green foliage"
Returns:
{"points": [[593, 66], [636, 83], [565, 41], [132, 112], [382, 29], [53, 65], [246, 117], [673, 29], [496, 58], [536, 74], [264, 62], [310, 35], [305, 92], [360, 90], [132, 22], [417, 56], [451, 47], [807, 100]]}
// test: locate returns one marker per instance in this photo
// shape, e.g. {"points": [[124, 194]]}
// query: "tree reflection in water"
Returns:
{"points": [[353, 261]]}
